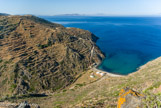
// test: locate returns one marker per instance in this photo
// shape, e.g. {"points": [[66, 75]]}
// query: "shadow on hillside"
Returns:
{"points": [[23, 97]]}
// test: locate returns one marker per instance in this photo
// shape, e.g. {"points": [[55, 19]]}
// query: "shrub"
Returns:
{"points": [[1, 60]]}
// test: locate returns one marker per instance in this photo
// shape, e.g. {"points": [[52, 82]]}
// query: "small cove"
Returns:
{"points": [[128, 42]]}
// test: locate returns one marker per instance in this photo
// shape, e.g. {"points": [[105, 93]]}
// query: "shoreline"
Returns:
{"points": [[95, 69]]}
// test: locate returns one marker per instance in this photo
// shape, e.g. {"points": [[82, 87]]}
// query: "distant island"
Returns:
{"points": [[99, 14], [69, 15], [4, 14]]}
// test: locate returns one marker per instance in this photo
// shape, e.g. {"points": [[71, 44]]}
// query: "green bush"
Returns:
{"points": [[13, 86], [1, 60]]}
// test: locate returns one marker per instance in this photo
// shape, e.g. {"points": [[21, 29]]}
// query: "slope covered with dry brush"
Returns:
{"points": [[39, 56]]}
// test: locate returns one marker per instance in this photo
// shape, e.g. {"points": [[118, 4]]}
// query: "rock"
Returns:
{"points": [[24, 105], [129, 99]]}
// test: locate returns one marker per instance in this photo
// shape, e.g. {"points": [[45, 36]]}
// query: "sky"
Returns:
{"points": [[88, 7]]}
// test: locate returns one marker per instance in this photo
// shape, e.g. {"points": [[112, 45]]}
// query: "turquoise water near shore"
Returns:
{"points": [[128, 42]]}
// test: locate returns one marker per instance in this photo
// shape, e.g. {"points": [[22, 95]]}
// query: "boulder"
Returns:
{"points": [[129, 98], [24, 105]]}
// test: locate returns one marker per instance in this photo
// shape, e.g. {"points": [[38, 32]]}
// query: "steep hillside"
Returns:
{"points": [[38, 56], [104, 92]]}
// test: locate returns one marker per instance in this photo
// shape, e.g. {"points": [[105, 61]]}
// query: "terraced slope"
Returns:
{"points": [[37, 56], [104, 92]]}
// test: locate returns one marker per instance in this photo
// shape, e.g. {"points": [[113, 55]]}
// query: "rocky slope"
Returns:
{"points": [[105, 92], [37, 55]]}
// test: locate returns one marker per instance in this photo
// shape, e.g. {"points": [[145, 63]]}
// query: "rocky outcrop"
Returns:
{"points": [[24, 105], [129, 99], [37, 55]]}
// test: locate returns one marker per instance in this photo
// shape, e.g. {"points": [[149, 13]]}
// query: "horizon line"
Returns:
{"points": [[108, 15]]}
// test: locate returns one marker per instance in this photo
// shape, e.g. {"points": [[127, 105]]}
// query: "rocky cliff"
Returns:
{"points": [[37, 55]]}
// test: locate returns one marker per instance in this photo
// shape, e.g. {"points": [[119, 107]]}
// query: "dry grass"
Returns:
{"points": [[104, 92]]}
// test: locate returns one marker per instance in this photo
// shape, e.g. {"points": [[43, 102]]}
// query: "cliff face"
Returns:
{"points": [[36, 55]]}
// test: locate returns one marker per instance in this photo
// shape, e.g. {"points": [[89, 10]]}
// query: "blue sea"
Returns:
{"points": [[128, 42]]}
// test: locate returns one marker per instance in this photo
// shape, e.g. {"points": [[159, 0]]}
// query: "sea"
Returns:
{"points": [[128, 42]]}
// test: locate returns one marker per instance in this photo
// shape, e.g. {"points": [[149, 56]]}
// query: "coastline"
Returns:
{"points": [[95, 69]]}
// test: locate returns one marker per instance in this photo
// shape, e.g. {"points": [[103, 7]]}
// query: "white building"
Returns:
{"points": [[92, 75], [102, 74], [98, 72]]}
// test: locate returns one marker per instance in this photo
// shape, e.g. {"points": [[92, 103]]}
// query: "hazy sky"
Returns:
{"points": [[108, 7]]}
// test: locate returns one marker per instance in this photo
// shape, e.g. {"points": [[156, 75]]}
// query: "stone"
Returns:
{"points": [[24, 105], [129, 99]]}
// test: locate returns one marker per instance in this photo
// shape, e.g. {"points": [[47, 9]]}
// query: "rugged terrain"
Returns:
{"points": [[37, 56], [104, 92]]}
